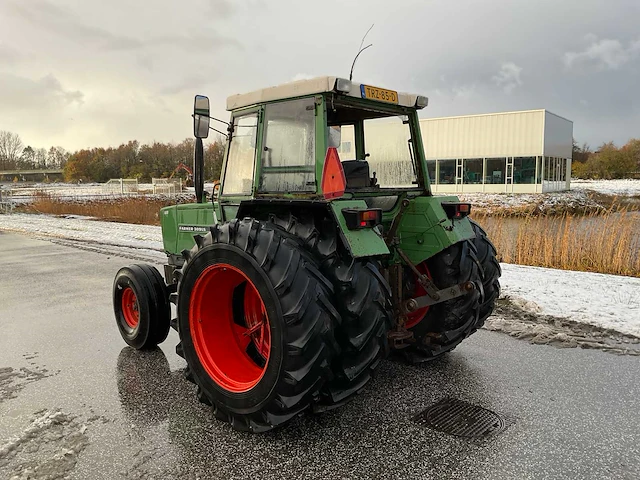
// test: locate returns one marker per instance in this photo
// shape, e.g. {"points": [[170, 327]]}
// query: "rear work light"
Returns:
{"points": [[456, 210], [342, 85], [356, 218]]}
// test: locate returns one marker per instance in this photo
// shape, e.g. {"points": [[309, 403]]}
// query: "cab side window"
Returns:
{"points": [[288, 156], [238, 178]]}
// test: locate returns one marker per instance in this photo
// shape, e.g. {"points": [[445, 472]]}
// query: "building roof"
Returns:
{"points": [[306, 87], [498, 113]]}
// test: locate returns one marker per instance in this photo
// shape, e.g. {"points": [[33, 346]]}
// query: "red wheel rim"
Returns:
{"points": [[130, 307], [416, 317], [229, 327]]}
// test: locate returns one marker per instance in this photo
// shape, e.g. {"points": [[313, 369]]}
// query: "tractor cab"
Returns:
{"points": [[281, 138]]}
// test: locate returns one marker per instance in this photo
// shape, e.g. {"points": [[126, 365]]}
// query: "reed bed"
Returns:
{"points": [[600, 242], [604, 240], [141, 210]]}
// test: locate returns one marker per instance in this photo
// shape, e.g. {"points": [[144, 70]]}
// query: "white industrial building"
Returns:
{"points": [[512, 152]]}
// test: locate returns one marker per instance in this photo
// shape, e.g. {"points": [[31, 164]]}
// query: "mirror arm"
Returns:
{"points": [[221, 133], [218, 120], [213, 118]]}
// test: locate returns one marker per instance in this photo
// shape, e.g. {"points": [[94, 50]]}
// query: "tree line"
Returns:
{"points": [[607, 162], [159, 160], [14, 155], [129, 160]]}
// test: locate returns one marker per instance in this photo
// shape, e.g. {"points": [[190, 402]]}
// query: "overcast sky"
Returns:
{"points": [[79, 73]]}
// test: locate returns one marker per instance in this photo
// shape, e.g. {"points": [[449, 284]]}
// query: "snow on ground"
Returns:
{"points": [[73, 227], [577, 197], [609, 301], [627, 187], [544, 201]]}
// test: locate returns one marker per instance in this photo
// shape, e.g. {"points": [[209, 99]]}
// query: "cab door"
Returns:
{"points": [[240, 165]]}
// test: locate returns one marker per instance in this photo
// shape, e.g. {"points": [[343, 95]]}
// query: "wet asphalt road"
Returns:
{"points": [[74, 400]]}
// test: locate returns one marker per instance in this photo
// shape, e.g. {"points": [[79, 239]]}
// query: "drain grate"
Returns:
{"points": [[461, 419]]}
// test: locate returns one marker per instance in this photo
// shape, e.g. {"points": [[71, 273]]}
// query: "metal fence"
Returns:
{"points": [[6, 201], [13, 195]]}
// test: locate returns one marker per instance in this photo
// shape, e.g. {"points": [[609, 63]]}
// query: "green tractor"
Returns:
{"points": [[322, 250]]}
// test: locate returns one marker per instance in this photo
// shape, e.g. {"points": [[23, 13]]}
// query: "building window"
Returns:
{"points": [[472, 170], [447, 171], [548, 169], [524, 170], [539, 161], [431, 168], [496, 169]]}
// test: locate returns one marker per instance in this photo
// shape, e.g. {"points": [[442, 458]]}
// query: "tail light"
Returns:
{"points": [[455, 210], [333, 179], [356, 218]]}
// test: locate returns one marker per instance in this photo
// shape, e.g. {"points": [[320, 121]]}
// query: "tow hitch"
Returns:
{"points": [[443, 295]]}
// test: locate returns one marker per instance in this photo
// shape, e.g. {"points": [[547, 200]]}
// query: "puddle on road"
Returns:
{"points": [[512, 319]]}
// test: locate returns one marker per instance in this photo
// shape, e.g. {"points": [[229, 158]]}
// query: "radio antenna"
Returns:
{"points": [[360, 51]]}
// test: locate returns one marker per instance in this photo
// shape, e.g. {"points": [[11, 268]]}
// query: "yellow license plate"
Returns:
{"points": [[380, 94]]}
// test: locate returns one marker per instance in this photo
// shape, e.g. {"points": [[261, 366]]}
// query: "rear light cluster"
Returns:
{"points": [[455, 210], [356, 218]]}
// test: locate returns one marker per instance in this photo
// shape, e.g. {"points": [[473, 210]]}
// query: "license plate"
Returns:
{"points": [[380, 94]]}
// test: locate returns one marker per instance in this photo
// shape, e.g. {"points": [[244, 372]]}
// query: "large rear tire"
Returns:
{"points": [[256, 324], [444, 325], [491, 271], [363, 298], [440, 328]]}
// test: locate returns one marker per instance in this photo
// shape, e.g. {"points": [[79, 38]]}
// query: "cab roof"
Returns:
{"points": [[309, 87]]}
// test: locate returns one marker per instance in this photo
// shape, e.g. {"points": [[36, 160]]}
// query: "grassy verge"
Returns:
{"points": [[140, 210]]}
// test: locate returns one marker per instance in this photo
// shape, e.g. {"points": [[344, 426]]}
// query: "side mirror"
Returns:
{"points": [[201, 116]]}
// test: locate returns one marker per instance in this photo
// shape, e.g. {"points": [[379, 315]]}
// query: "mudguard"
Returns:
{"points": [[367, 242]]}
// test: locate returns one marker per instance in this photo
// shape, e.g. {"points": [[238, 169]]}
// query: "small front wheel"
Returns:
{"points": [[141, 306]]}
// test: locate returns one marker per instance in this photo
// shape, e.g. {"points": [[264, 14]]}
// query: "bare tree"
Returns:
{"points": [[10, 149]]}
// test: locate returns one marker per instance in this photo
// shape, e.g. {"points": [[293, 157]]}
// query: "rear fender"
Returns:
{"points": [[366, 242], [425, 229]]}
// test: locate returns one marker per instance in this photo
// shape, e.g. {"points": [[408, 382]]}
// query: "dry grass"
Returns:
{"points": [[140, 210], [605, 243]]}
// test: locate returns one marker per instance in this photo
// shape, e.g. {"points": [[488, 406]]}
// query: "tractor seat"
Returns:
{"points": [[356, 172]]}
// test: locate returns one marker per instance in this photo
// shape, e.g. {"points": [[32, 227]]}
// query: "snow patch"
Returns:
{"points": [[607, 301], [626, 187], [48, 448]]}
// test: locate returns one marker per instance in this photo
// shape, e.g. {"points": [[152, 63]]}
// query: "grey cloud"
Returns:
{"points": [[50, 17], [508, 78], [196, 42], [221, 8], [605, 54], [9, 55], [17, 92], [66, 24], [188, 84]]}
